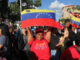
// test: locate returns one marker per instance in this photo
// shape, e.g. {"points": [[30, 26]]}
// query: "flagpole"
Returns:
{"points": [[20, 8]]}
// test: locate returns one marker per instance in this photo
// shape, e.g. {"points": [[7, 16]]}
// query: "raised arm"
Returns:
{"points": [[1, 46], [29, 35], [48, 35], [62, 38], [2, 42]]}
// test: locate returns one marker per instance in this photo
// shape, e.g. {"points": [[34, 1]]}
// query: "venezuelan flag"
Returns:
{"points": [[37, 17], [78, 11], [75, 21]]}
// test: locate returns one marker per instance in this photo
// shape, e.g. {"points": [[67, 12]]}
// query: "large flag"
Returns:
{"points": [[75, 21], [37, 17]]}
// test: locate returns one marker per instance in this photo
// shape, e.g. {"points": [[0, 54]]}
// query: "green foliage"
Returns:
{"points": [[14, 8], [74, 8], [3, 8], [37, 3], [78, 7], [14, 11], [30, 3], [68, 9], [62, 20]]}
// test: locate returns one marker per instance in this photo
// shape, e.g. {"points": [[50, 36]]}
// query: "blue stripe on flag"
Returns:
{"points": [[37, 15], [74, 22]]}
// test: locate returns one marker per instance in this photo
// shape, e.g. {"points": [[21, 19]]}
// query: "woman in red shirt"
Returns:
{"points": [[39, 45]]}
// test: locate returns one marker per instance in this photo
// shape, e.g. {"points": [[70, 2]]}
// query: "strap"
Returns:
{"points": [[77, 50], [32, 43]]}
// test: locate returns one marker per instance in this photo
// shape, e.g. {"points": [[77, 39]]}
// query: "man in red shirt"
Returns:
{"points": [[73, 52], [39, 45]]}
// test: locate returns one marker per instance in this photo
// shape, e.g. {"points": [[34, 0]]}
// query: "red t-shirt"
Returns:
{"points": [[39, 50], [70, 54]]}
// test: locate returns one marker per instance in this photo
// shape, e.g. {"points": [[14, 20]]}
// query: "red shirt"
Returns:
{"points": [[70, 54], [39, 50]]}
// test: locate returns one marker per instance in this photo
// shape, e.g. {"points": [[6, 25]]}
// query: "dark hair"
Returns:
{"points": [[77, 39], [54, 30], [67, 20], [72, 35], [70, 26]]}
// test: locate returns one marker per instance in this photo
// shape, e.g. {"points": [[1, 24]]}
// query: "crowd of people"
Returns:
{"points": [[42, 43]]}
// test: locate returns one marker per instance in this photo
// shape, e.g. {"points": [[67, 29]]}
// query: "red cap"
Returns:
{"points": [[39, 31]]}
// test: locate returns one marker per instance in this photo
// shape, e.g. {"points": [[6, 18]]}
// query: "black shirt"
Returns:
{"points": [[54, 41]]}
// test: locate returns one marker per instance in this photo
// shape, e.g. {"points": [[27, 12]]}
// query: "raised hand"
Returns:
{"points": [[66, 33]]}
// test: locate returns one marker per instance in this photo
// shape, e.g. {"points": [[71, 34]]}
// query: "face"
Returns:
{"points": [[39, 36], [67, 24]]}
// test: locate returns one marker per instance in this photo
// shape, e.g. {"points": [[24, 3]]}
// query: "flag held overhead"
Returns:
{"points": [[37, 17]]}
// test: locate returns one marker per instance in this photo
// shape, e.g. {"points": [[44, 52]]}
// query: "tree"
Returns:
{"points": [[62, 20], [14, 12], [74, 8], [68, 9], [78, 7], [3, 8], [30, 3], [14, 8], [37, 3]]}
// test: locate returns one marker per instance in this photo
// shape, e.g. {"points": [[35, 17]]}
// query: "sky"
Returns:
{"points": [[11, 0], [56, 5]]}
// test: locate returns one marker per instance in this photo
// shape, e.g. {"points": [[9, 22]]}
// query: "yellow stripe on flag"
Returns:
{"points": [[78, 11], [75, 18], [35, 11]]}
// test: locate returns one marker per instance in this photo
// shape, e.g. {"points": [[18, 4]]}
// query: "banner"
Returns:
{"points": [[75, 21], [37, 17]]}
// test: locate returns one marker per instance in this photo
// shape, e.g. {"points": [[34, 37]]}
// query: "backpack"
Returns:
{"points": [[23, 45]]}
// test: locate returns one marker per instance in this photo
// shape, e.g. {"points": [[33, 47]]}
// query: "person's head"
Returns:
{"points": [[67, 22], [70, 27], [39, 34], [54, 30], [71, 35]]}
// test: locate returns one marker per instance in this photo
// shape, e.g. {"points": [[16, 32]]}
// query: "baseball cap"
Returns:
{"points": [[39, 31]]}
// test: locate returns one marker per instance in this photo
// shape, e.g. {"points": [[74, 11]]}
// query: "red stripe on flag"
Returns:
{"points": [[73, 25], [40, 22]]}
